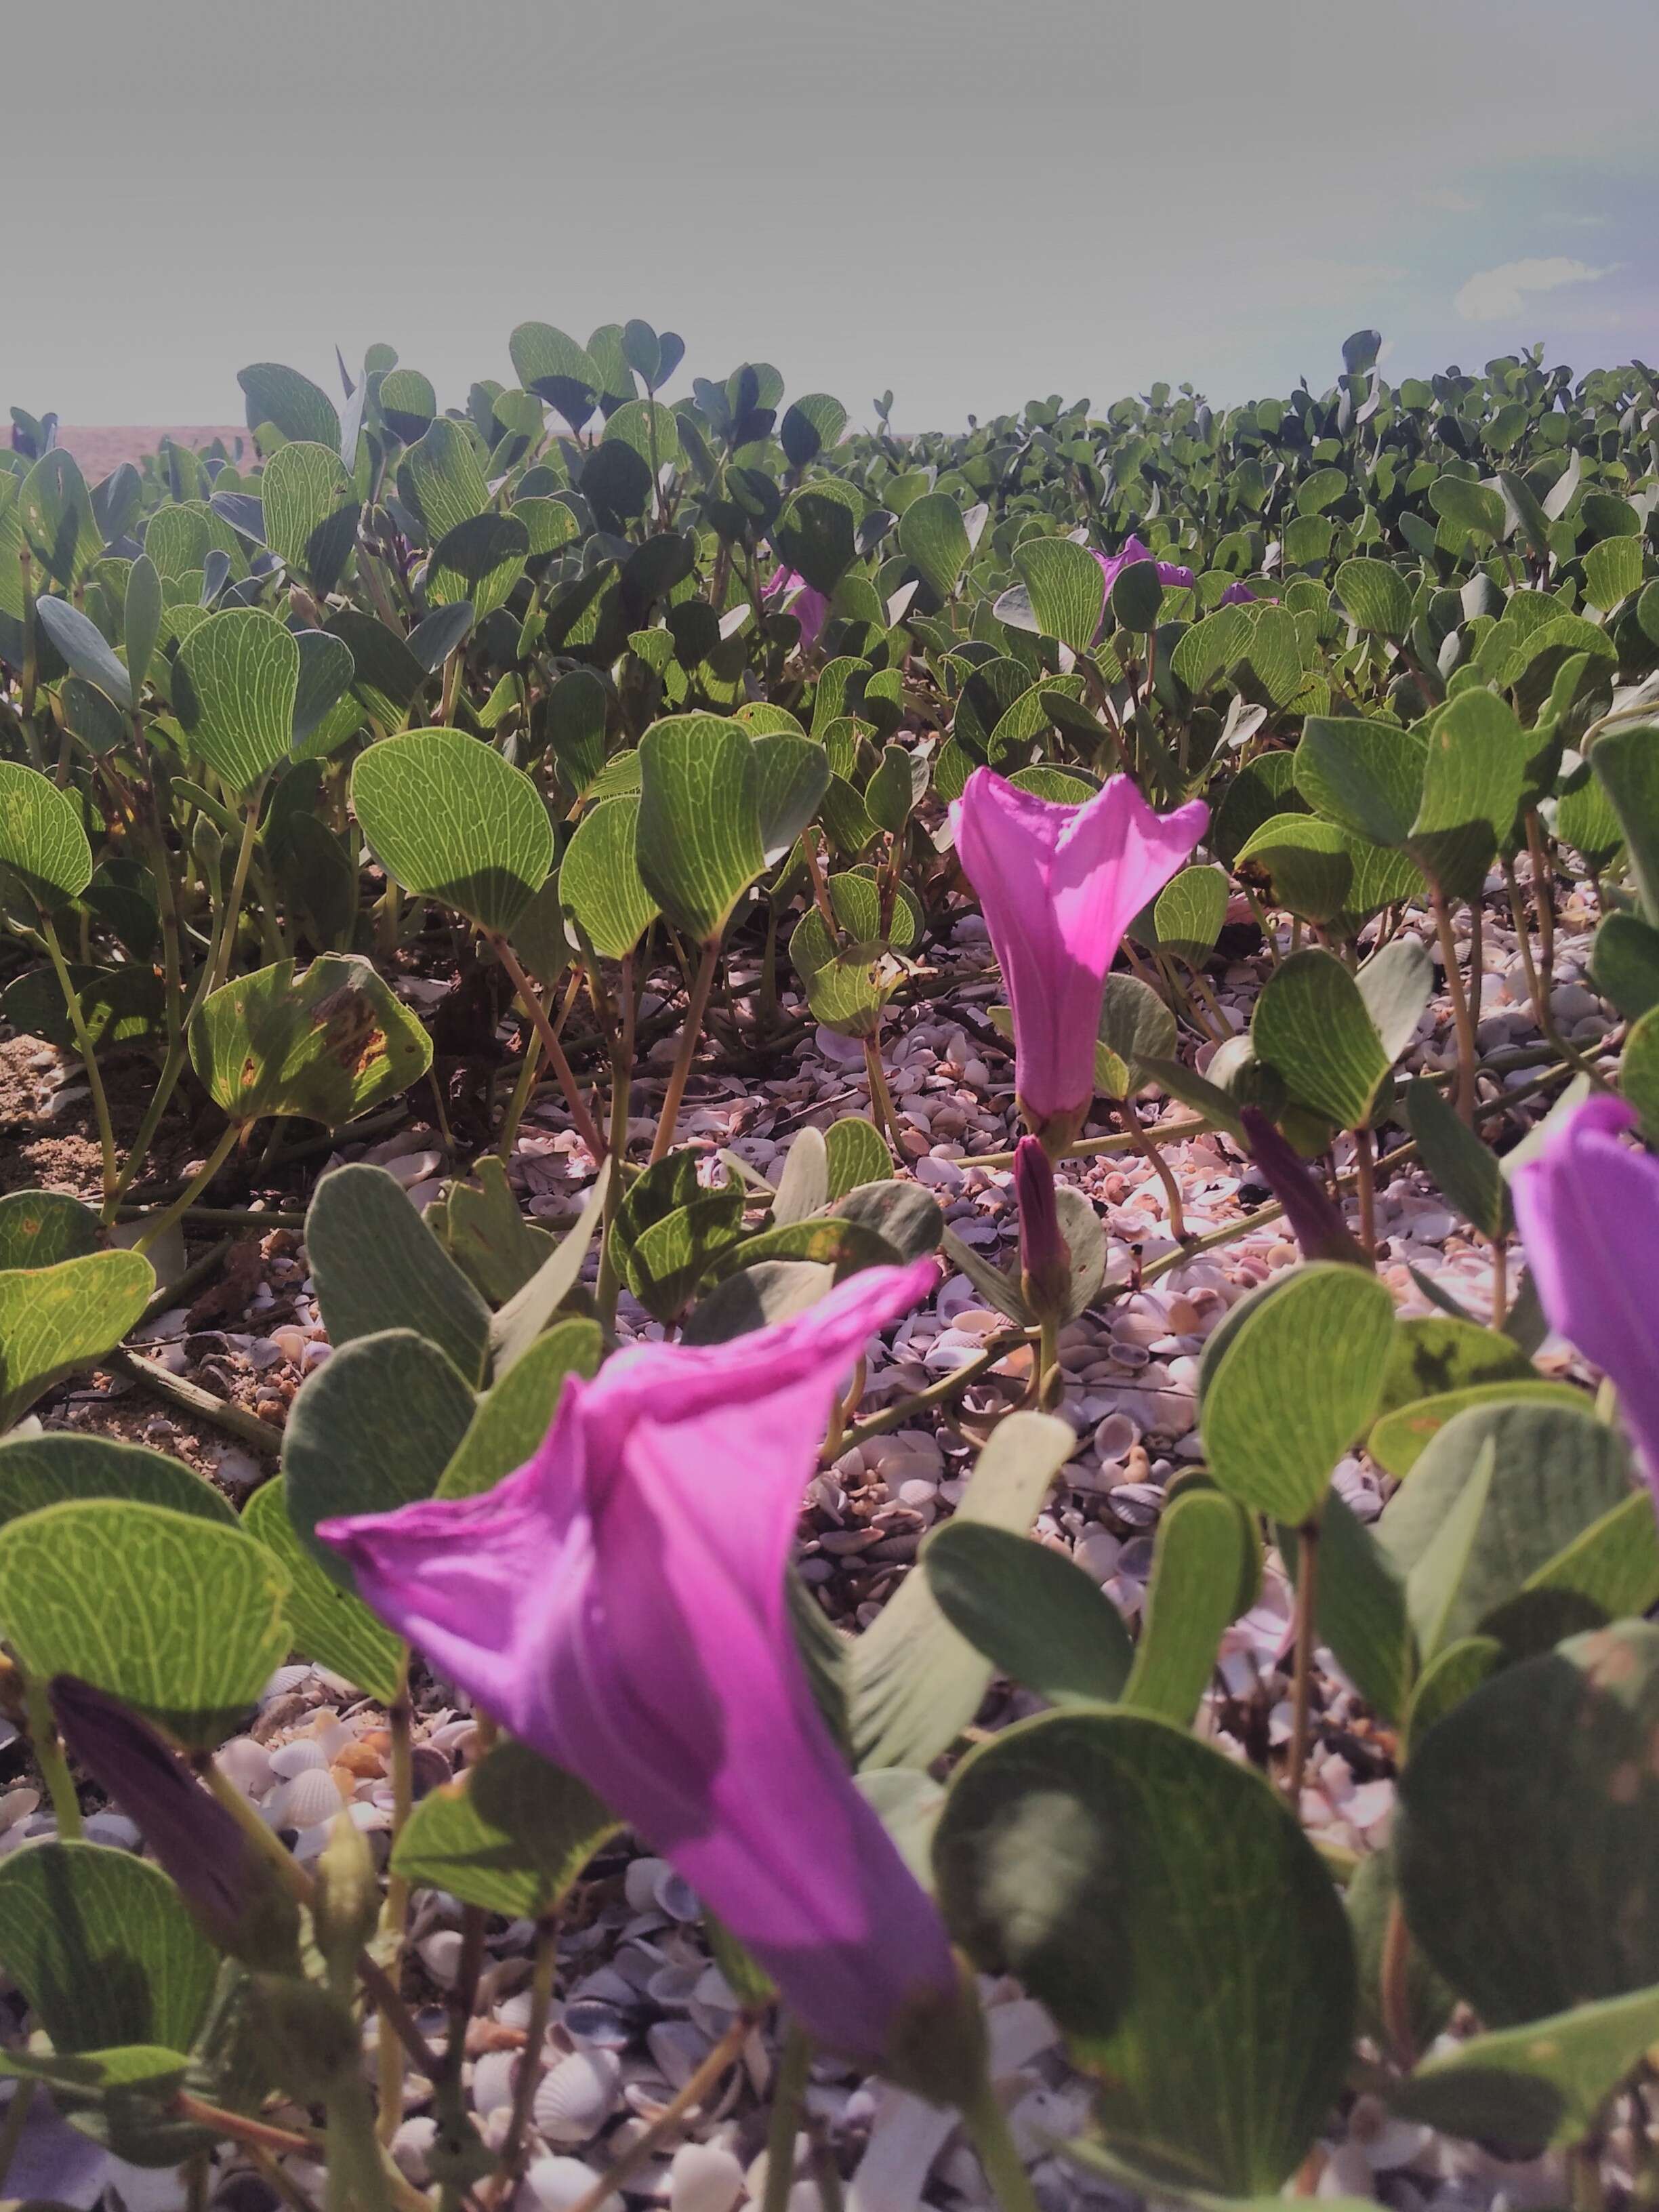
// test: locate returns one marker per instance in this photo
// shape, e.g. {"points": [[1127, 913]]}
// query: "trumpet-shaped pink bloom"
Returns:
{"points": [[1112, 565], [1588, 1208], [619, 1604], [1058, 886], [795, 595]]}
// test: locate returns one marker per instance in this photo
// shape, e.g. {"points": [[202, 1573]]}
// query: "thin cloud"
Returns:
{"points": [[1490, 295], [1449, 201]]}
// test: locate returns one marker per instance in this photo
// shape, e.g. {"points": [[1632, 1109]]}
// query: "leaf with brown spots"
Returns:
{"points": [[323, 1047]]}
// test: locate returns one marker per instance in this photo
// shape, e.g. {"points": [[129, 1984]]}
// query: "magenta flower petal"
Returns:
{"points": [[1112, 565], [1236, 595], [795, 596], [1588, 1208], [1058, 885], [619, 1603]]}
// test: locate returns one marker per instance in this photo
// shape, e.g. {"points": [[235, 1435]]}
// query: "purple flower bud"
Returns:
{"points": [[1236, 595], [227, 1883], [1315, 1220], [1045, 1258]]}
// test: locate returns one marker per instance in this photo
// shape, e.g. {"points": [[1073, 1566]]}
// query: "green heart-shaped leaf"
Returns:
{"points": [[1037, 1617], [1376, 596], [1312, 1024], [325, 1048], [600, 883], [40, 1227], [1205, 1569], [1290, 1380], [311, 508], [83, 646], [41, 840], [448, 817], [1077, 1850], [698, 839], [188, 1622], [102, 1945], [234, 687], [49, 1469], [1066, 587], [327, 1624], [373, 1429], [377, 1265], [511, 1835], [56, 1320], [1524, 1834]]}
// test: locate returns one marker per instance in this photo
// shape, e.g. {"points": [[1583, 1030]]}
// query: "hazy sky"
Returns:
{"points": [[967, 200]]}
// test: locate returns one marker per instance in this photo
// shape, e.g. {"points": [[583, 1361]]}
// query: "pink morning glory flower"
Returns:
{"points": [[1588, 1208], [1112, 565], [1058, 886], [620, 1605], [793, 595]]}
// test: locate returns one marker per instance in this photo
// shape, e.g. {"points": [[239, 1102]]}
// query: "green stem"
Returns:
{"points": [[395, 1914], [881, 1101], [530, 999], [138, 1151], [221, 966], [192, 1190], [1160, 1168], [621, 1079], [1047, 1376], [357, 2178], [697, 1005], [88, 1058], [520, 1099], [48, 1758], [987, 2130], [789, 2093], [1307, 1604], [1459, 1004], [530, 2066]]}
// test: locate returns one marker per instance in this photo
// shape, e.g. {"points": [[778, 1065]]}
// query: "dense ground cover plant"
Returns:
{"points": [[701, 725]]}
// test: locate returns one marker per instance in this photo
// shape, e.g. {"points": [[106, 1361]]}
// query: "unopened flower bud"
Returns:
{"points": [[1045, 1258]]}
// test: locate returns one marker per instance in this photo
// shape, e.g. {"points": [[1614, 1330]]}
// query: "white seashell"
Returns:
{"points": [[310, 1798], [410, 2145], [556, 2183], [673, 1987], [17, 1805], [111, 1828], [299, 1757], [678, 2050], [285, 1679], [676, 1896], [713, 1989], [703, 2177], [640, 1883], [577, 2096], [492, 2081], [441, 1954]]}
